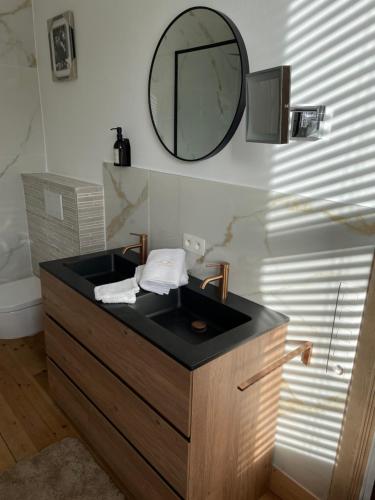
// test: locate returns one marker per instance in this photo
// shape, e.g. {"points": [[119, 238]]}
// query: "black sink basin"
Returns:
{"points": [[177, 311], [166, 320], [103, 269]]}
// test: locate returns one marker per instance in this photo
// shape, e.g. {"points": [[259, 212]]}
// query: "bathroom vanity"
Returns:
{"points": [[173, 415]]}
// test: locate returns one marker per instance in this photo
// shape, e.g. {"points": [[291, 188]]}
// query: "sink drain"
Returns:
{"points": [[199, 326]]}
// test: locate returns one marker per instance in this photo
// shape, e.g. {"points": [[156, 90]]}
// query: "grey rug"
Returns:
{"points": [[63, 471]]}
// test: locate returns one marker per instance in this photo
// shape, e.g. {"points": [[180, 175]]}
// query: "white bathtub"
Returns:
{"points": [[20, 308]]}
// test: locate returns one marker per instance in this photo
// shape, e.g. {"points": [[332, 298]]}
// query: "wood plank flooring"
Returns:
{"points": [[269, 496], [29, 419]]}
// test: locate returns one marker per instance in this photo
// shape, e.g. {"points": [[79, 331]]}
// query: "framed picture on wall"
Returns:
{"points": [[62, 47]]}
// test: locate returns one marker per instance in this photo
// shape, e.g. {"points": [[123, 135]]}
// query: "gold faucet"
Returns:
{"points": [[142, 245], [223, 277]]}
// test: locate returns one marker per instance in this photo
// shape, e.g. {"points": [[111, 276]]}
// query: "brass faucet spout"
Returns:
{"points": [[222, 278], [209, 280], [142, 245], [130, 247]]}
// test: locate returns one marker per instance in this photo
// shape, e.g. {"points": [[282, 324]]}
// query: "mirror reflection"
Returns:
{"points": [[196, 84]]}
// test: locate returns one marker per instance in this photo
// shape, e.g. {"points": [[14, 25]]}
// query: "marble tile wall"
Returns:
{"points": [[82, 228], [307, 258], [126, 210], [21, 135]]}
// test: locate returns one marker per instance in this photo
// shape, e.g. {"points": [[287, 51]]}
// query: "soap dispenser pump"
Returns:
{"points": [[121, 150]]}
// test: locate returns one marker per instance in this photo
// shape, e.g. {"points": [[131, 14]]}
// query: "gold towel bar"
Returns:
{"points": [[304, 349]]}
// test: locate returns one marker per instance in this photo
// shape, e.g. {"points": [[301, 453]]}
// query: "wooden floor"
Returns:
{"points": [[29, 419]]}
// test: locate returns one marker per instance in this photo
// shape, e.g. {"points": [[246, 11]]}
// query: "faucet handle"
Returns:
{"points": [[212, 264], [217, 264], [143, 238]]}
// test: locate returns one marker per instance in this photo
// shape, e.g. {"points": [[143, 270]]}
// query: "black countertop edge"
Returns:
{"points": [[192, 356]]}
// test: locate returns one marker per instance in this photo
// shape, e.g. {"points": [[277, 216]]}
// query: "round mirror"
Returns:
{"points": [[196, 84]]}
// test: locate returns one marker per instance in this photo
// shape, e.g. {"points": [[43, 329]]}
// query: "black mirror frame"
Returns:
{"points": [[242, 98]]}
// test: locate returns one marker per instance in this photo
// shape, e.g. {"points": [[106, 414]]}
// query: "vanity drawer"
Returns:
{"points": [[160, 444], [160, 380], [136, 476]]}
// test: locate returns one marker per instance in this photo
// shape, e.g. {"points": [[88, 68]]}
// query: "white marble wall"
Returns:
{"points": [[126, 210], [309, 259], [21, 136]]}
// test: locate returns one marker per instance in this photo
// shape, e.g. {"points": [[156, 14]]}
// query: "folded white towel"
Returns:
{"points": [[138, 273], [164, 270], [158, 288], [120, 299], [120, 292]]}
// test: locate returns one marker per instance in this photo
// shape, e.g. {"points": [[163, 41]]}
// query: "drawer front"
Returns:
{"points": [[136, 476], [160, 380], [156, 440]]}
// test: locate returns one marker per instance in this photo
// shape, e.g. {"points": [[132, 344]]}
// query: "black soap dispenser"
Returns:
{"points": [[121, 150]]}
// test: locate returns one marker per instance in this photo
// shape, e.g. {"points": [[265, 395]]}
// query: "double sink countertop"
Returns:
{"points": [[229, 325]]}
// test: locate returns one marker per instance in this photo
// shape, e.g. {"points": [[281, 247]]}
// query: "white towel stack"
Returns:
{"points": [[117, 293], [164, 270]]}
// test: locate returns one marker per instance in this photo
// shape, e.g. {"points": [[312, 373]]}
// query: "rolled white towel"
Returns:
{"points": [[164, 270], [121, 291]]}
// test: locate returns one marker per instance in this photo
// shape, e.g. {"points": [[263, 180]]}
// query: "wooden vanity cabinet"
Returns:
{"points": [[164, 431]]}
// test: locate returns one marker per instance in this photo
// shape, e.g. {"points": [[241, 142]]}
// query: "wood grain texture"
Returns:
{"points": [[6, 457], [136, 477], [32, 406], [164, 383], [359, 419], [288, 489], [233, 431], [18, 441], [269, 496], [28, 352], [28, 355], [29, 419], [156, 440]]}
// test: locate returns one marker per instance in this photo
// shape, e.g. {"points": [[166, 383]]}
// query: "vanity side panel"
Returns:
{"points": [[232, 431], [161, 381]]}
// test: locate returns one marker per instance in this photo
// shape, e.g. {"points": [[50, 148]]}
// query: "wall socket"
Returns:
{"points": [[194, 244]]}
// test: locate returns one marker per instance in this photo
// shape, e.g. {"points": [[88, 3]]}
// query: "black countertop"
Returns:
{"points": [[190, 355]]}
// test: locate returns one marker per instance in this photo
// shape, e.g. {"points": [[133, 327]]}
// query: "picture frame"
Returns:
{"points": [[62, 47]]}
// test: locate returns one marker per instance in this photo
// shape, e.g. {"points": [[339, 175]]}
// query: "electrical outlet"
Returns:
{"points": [[194, 244]]}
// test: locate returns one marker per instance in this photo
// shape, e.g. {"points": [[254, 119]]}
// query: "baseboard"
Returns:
{"points": [[286, 488]]}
